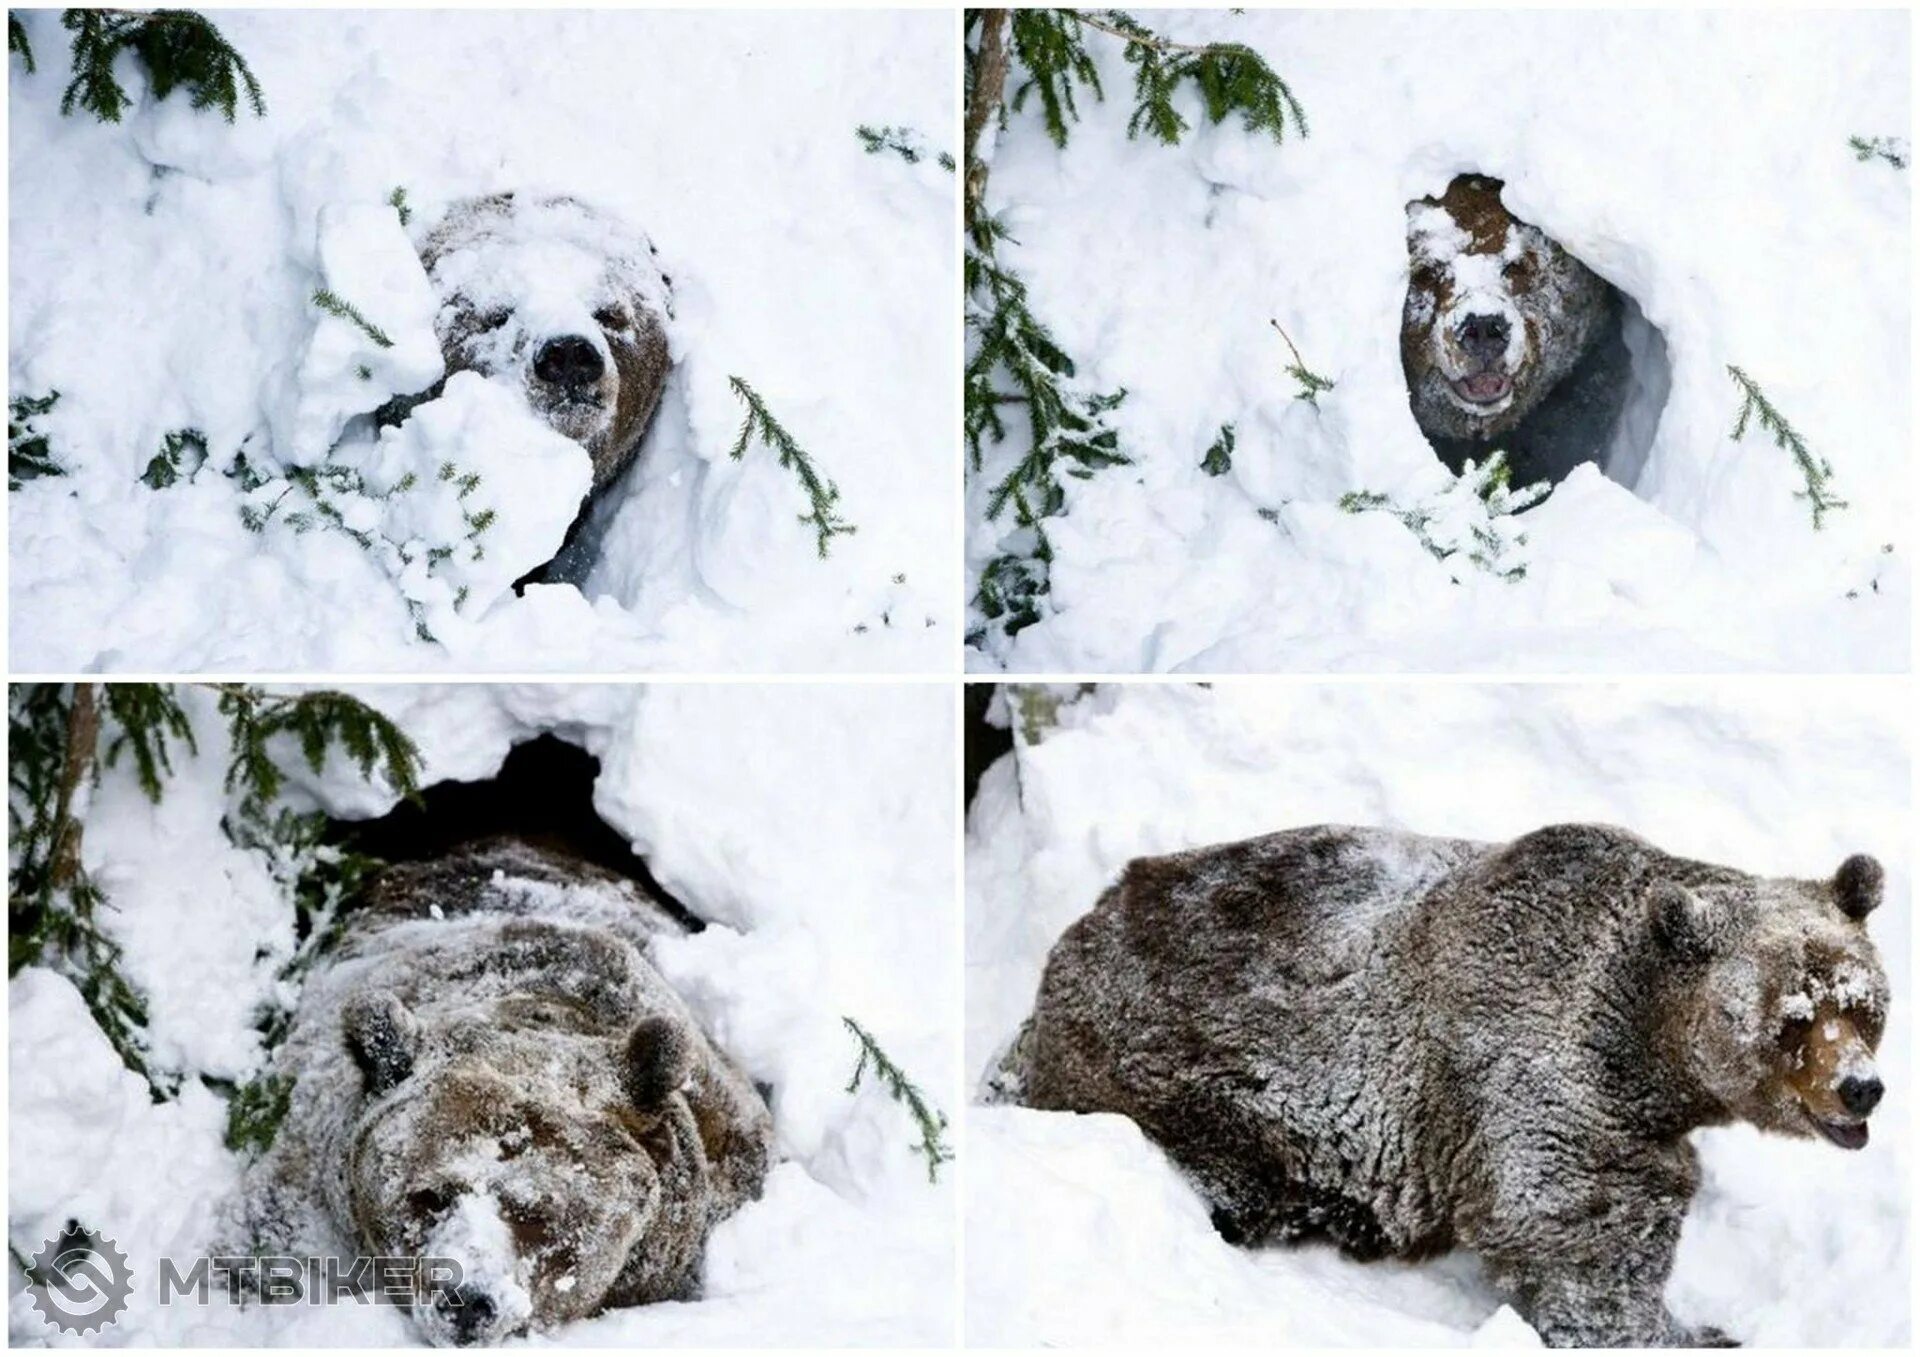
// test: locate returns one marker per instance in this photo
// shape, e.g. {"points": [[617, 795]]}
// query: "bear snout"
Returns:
{"points": [[465, 1316], [1860, 1095], [1483, 338], [569, 362]]}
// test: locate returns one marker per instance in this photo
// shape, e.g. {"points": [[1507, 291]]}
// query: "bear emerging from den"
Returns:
{"points": [[570, 305], [1406, 1044], [1508, 341], [488, 1069]]}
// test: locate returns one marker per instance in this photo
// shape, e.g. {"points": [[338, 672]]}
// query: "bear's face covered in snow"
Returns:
{"points": [[490, 1072], [1791, 999], [1496, 314], [565, 301]]}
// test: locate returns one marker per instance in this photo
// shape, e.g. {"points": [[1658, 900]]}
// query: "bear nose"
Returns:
{"points": [[1484, 337], [569, 361], [471, 1313], [1860, 1096]]}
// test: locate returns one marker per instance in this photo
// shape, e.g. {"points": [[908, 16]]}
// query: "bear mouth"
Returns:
{"points": [[1483, 388], [1848, 1135]]}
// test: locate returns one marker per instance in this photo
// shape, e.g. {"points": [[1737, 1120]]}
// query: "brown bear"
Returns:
{"points": [[488, 1070], [1508, 342], [1408, 1045], [570, 305]]}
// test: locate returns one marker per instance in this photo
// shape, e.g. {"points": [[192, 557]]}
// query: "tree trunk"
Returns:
{"points": [[989, 69], [83, 743]]}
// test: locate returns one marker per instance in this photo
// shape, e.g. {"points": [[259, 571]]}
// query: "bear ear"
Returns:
{"points": [[659, 1062], [382, 1036], [1858, 885], [1686, 923]]}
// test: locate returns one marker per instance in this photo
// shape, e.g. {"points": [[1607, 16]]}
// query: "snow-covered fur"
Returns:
{"points": [[1507, 340], [1410, 1044], [488, 1069], [569, 304]]}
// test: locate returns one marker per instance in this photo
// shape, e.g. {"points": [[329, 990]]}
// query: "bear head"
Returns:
{"points": [[1783, 998], [563, 301], [1496, 313], [537, 1137]]}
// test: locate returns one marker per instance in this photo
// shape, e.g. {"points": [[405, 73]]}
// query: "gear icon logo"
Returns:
{"points": [[80, 1281]]}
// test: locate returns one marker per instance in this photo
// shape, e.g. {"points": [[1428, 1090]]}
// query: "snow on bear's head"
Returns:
{"points": [[530, 1138], [563, 301], [1790, 998], [1496, 313]]}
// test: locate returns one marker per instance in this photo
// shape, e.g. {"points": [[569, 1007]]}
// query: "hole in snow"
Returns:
{"points": [[1510, 342], [543, 793]]}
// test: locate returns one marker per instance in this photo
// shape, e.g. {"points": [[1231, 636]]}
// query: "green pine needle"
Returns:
{"points": [[1815, 470], [823, 495], [335, 305], [904, 142], [29, 449], [932, 1122]]}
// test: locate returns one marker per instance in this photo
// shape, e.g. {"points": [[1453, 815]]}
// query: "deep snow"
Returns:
{"points": [[161, 273], [1079, 1230], [812, 827], [1697, 161]]}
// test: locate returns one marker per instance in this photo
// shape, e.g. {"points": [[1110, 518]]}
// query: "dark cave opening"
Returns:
{"points": [[543, 793]]}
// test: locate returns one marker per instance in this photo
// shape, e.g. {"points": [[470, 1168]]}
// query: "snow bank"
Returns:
{"points": [[1078, 1228], [812, 826], [1699, 162], [162, 273]]}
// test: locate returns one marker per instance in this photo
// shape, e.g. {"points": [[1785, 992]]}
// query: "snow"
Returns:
{"points": [[1770, 247], [162, 274], [1080, 1230], [811, 825]]}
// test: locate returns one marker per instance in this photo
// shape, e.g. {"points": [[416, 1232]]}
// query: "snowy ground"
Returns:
{"points": [[811, 827], [1078, 1230], [161, 271], [1699, 161]]}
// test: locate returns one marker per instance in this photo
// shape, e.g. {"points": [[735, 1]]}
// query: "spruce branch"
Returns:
{"points": [[29, 449], [1311, 383], [397, 200], [1894, 151], [180, 49], [931, 1121], [904, 142], [1469, 519], [1231, 77], [177, 450], [17, 41], [1815, 470], [1219, 458], [1048, 45], [335, 305], [823, 495], [317, 721]]}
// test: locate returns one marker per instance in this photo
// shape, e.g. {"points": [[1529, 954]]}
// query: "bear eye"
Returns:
{"points": [[610, 318], [429, 1202], [1793, 1032]]}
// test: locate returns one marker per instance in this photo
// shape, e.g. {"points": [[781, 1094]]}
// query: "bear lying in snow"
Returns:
{"points": [[569, 304], [1508, 341], [1408, 1044], [488, 1069]]}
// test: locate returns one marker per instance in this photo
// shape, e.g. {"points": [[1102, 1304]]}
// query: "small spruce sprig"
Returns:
{"points": [[183, 451], [822, 494], [1231, 77], [1815, 470], [1219, 458], [180, 49], [904, 142], [931, 1121], [1894, 151], [335, 305], [1486, 493], [397, 200], [29, 449], [317, 721], [17, 41], [1311, 383]]}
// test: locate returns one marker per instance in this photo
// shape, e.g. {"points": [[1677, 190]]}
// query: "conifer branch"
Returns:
{"points": [[176, 450], [1894, 151], [822, 494], [180, 49], [1815, 470], [17, 41], [1311, 383], [335, 305], [931, 1121], [1468, 519], [1219, 458], [397, 200], [29, 449], [904, 142]]}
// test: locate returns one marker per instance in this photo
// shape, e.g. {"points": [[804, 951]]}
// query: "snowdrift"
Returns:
{"points": [[1079, 1230], [162, 278], [811, 828], [1698, 162]]}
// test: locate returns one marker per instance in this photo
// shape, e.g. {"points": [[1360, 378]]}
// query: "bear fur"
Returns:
{"points": [[487, 1068], [1508, 341], [1408, 1045], [569, 305]]}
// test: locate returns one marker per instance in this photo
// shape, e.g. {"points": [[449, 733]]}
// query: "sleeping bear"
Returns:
{"points": [[1508, 341], [570, 306], [486, 1068], [1407, 1045]]}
